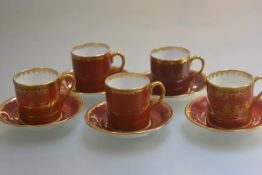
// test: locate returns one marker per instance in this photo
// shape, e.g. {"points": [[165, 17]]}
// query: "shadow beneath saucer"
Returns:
{"points": [[14, 136], [221, 141], [101, 142]]}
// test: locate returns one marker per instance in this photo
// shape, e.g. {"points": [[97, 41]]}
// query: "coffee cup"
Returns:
{"points": [[230, 98], [92, 64], [128, 100], [40, 93], [172, 66]]}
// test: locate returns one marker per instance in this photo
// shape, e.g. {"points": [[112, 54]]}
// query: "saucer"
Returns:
{"points": [[112, 71], [196, 88], [10, 116], [197, 113], [97, 118]]}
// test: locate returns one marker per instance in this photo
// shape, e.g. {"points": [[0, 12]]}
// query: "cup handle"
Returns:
{"points": [[255, 80], [202, 63], [122, 57], [162, 93], [69, 86]]}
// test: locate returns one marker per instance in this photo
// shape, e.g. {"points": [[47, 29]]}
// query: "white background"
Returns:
{"points": [[37, 33]]}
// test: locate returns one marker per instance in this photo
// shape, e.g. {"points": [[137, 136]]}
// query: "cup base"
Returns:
{"points": [[35, 120], [213, 121], [112, 127]]}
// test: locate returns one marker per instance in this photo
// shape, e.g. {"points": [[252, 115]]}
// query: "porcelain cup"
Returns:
{"points": [[92, 63], [172, 66], [40, 93], [128, 100], [230, 98]]}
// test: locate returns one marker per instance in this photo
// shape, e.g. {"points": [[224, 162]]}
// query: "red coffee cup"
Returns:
{"points": [[40, 93], [91, 66], [230, 97], [128, 100], [172, 66]]}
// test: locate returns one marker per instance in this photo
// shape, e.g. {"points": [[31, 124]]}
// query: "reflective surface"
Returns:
{"points": [[9, 112], [159, 116], [196, 85], [197, 112]]}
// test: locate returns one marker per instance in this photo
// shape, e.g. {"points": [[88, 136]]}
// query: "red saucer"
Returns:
{"points": [[197, 112], [197, 84], [97, 117], [71, 106]]}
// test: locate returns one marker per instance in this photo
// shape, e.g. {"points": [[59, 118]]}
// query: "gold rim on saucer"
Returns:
{"points": [[141, 131], [212, 127], [20, 124]]}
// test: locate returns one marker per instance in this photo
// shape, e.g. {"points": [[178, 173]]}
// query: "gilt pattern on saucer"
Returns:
{"points": [[197, 113], [9, 115], [97, 118]]}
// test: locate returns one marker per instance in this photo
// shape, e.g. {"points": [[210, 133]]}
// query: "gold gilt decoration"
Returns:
{"points": [[89, 117], [35, 90], [41, 106], [127, 91], [91, 45], [63, 117], [204, 123], [35, 70], [170, 60], [230, 72], [232, 109], [229, 93]]}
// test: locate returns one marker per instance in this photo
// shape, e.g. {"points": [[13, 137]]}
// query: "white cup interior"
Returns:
{"points": [[36, 77], [172, 53], [231, 79], [127, 82], [90, 50]]}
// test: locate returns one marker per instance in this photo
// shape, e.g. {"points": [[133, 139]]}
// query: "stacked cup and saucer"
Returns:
{"points": [[229, 105], [43, 98], [129, 111], [172, 66], [92, 64]]}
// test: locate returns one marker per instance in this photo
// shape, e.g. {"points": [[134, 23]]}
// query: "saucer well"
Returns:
{"points": [[10, 116], [112, 71], [196, 88], [97, 118], [197, 113]]}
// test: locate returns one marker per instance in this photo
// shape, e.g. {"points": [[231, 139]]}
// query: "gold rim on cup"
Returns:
{"points": [[36, 69], [150, 84], [232, 71], [87, 45], [179, 60]]}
